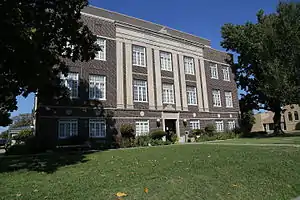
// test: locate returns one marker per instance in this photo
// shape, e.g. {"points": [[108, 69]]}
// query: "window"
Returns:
{"points": [[216, 98], [296, 116], [290, 116], [101, 55], [67, 128], [140, 91], [195, 124], [97, 86], [71, 82], [141, 128], [138, 56], [214, 71], [231, 125], [226, 74], [97, 128], [191, 95], [166, 61], [168, 93], [219, 126], [189, 65], [228, 99]]}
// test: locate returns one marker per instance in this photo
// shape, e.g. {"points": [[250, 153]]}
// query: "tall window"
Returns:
{"points": [[71, 82], [195, 124], [141, 127], [219, 126], [231, 125], [189, 65], [97, 128], [138, 56], [191, 95], [226, 75], [166, 61], [216, 98], [140, 90], [214, 71], [168, 93], [296, 116], [101, 55], [67, 128], [97, 87], [228, 99], [290, 116]]}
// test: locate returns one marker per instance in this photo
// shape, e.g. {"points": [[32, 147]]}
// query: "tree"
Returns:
{"points": [[4, 134], [25, 119], [247, 118], [268, 58], [37, 39]]}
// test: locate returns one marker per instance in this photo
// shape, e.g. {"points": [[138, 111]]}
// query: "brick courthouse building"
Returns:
{"points": [[147, 75]]}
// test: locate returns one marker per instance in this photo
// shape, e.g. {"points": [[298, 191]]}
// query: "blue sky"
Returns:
{"points": [[199, 17]]}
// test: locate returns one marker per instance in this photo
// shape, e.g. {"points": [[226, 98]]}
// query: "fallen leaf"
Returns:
{"points": [[228, 193], [121, 194], [18, 195], [146, 190], [208, 156], [234, 185], [35, 190]]}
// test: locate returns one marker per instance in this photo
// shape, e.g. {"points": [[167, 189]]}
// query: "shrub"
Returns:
{"points": [[210, 129], [23, 135], [30, 146], [158, 134], [142, 141], [192, 135], [127, 131], [174, 139], [157, 142], [198, 132], [225, 135], [127, 142]]}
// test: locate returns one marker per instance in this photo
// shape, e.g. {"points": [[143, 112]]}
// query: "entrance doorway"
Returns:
{"points": [[170, 127]]}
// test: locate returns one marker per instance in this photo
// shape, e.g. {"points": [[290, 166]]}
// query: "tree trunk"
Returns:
{"points": [[277, 122]]}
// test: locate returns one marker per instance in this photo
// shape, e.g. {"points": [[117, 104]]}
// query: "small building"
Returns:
{"points": [[291, 117], [264, 122]]}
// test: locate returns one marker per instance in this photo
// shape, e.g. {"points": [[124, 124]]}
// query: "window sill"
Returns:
{"points": [[97, 99], [140, 101], [97, 137], [214, 78], [189, 74], [192, 104], [168, 103], [229, 106], [217, 106], [226, 80], [139, 65], [166, 70], [99, 59]]}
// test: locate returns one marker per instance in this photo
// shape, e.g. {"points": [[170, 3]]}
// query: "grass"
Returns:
{"points": [[269, 140], [169, 172]]}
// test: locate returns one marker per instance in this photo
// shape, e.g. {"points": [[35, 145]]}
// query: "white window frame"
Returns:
{"points": [[191, 95], [140, 91], [217, 98], [226, 74], [219, 126], [97, 82], [72, 83], [101, 55], [228, 99], [189, 65], [141, 127], [231, 125], [195, 124], [72, 123], [165, 61], [95, 124], [214, 71], [140, 53], [168, 93]]}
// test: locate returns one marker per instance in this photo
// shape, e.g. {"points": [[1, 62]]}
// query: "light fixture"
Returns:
{"points": [[158, 122], [184, 122]]}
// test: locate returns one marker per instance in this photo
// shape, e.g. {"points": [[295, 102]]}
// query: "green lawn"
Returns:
{"points": [[197, 171], [270, 140]]}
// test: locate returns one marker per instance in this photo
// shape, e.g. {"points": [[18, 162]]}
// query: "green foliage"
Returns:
{"points": [[4, 134], [22, 120], [30, 146], [23, 135], [35, 40], [217, 136], [158, 134], [210, 129], [142, 141], [158, 142], [127, 131], [269, 76], [127, 142], [198, 132]]}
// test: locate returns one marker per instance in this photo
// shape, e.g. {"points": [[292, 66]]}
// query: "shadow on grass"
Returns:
{"points": [[47, 163]]}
